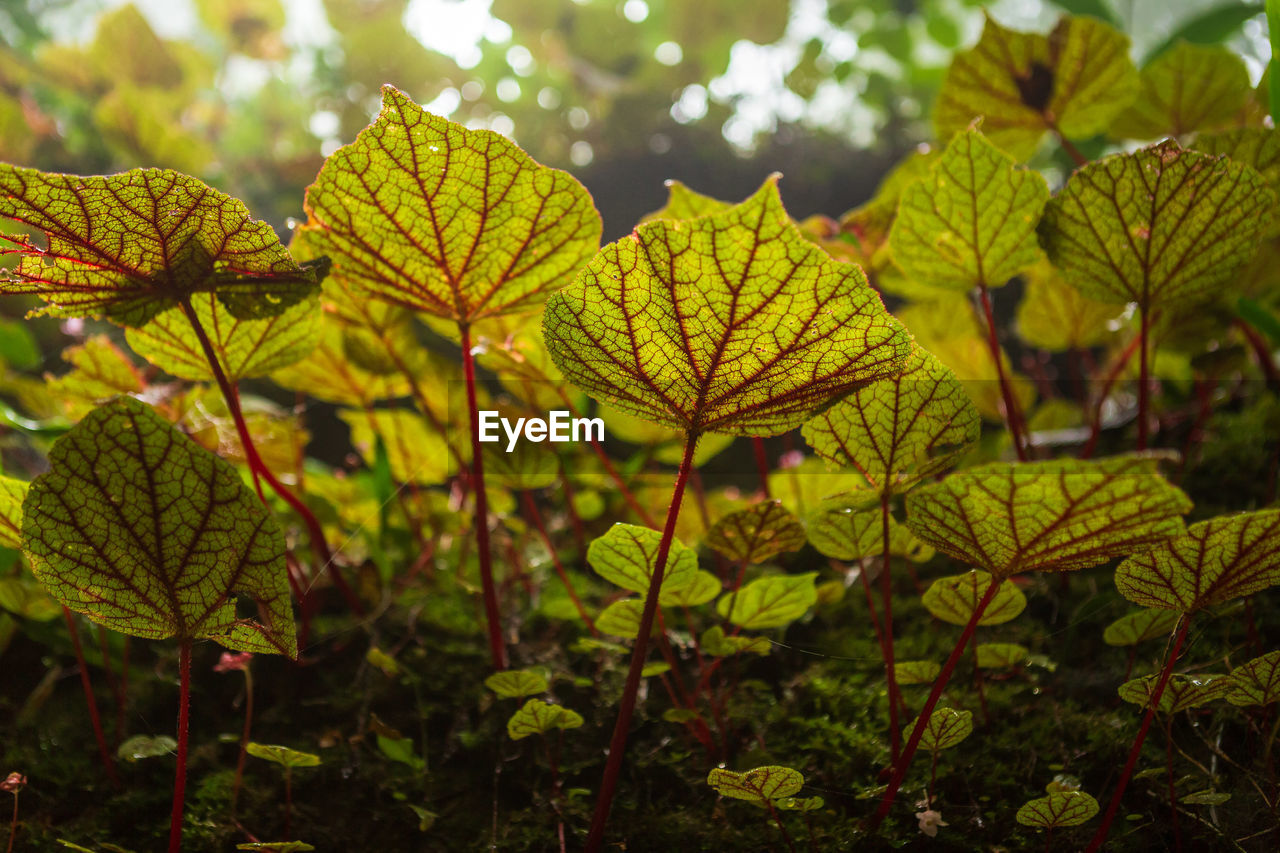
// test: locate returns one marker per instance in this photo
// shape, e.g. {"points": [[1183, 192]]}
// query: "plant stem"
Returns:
{"points": [[1144, 391], [531, 507], [180, 774], [940, 683], [232, 399], [886, 645], [493, 617], [13, 825], [791, 845], [618, 743], [244, 738], [1101, 835], [1012, 416], [762, 463], [89, 699], [1095, 431], [978, 684]]}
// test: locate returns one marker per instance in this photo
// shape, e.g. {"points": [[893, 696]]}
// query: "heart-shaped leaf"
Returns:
{"points": [[1058, 515], [770, 602], [23, 596], [946, 728], [716, 643], [953, 599], [1180, 693], [1139, 626], [621, 618], [627, 554], [703, 588], [899, 431], [1055, 316], [972, 221], [771, 782], [12, 494], [1001, 655], [143, 531], [1256, 682], [916, 671], [536, 717], [1162, 227], [847, 532], [1258, 147], [517, 683], [132, 245], [100, 371], [283, 755], [1059, 809], [755, 534], [424, 213], [1187, 88], [684, 203], [731, 323], [1078, 78], [1215, 561], [139, 747]]}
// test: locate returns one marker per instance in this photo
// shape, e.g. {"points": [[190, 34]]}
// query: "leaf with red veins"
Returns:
{"points": [[100, 371], [1059, 515], [953, 599], [731, 323], [145, 532], [1215, 561], [132, 245], [424, 213], [1060, 808], [902, 430], [12, 494], [757, 533], [771, 782], [1181, 691], [848, 528], [1256, 682]]}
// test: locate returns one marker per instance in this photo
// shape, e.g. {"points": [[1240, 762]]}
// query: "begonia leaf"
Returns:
{"points": [[100, 371], [770, 602], [536, 717], [417, 453], [703, 588], [621, 618], [716, 643], [12, 494], [946, 728], [1061, 808], [684, 203], [1258, 147], [755, 534], [627, 554], [1188, 88], [1256, 682], [1055, 316], [283, 755], [953, 599], [916, 671], [1180, 692], [1139, 626], [1000, 655], [842, 529], [771, 782], [517, 683]]}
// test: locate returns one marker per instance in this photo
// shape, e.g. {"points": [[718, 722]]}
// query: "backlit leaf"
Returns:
{"points": [[1180, 692], [138, 747], [684, 203], [946, 728], [22, 596], [1001, 655], [953, 599], [1062, 808], [12, 494], [716, 643], [536, 717], [328, 374], [276, 846], [141, 530], [1258, 147], [757, 533], [770, 602], [245, 348], [424, 213], [1140, 626], [283, 755], [129, 246], [1058, 515], [847, 532], [703, 588], [1215, 561], [731, 323], [417, 453], [100, 371], [1163, 226], [1055, 316], [771, 782], [621, 618], [901, 430], [1191, 87], [517, 683], [1256, 682], [1078, 77], [626, 555], [916, 671], [972, 220]]}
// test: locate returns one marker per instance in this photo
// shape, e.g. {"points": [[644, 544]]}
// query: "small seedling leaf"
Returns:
{"points": [[1064, 808], [1256, 682], [916, 671], [621, 618], [1204, 798], [139, 747], [627, 554], [757, 533], [1001, 655], [946, 728], [536, 717], [517, 683], [771, 782], [703, 588], [283, 755], [953, 599], [1139, 626], [770, 602], [1180, 693], [716, 643]]}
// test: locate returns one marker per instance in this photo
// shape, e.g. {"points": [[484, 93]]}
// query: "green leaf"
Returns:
{"points": [[655, 668], [1215, 561], [684, 203], [1079, 77], [731, 323], [1204, 798], [1256, 682], [139, 747], [1258, 147], [843, 528], [22, 596], [416, 451], [143, 531], [276, 846], [771, 782], [517, 683], [972, 221], [18, 346], [400, 750], [1059, 515], [946, 728], [899, 431], [282, 755], [101, 371], [1139, 626], [1063, 808], [12, 494], [953, 599], [1055, 316], [329, 375], [716, 643], [245, 348], [1100, 9], [916, 671], [770, 602], [1001, 655], [458, 223], [755, 534], [621, 618], [704, 587], [800, 804], [536, 717], [1163, 227], [1187, 88], [1180, 692], [626, 555], [132, 245], [1273, 30]]}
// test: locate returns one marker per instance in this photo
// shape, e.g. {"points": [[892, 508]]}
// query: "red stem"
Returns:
{"points": [[13, 825], [618, 743], [886, 644], [315, 532], [493, 617], [940, 683], [244, 738], [762, 464], [1144, 391], [90, 700], [1101, 835], [1011, 415], [531, 507], [180, 774], [1261, 351]]}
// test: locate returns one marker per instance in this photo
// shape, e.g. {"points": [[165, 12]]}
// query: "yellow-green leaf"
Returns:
{"points": [[716, 643], [1062, 808], [22, 596], [627, 554], [755, 534], [842, 528], [1055, 316], [704, 587], [1180, 692], [953, 599], [771, 782], [1191, 87], [1139, 626], [416, 451], [946, 728], [684, 203], [770, 602], [1001, 655], [621, 618], [283, 755], [536, 717], [100, 371], [1256, 682], [517, 683], [1258, 147], [12, 494], [916, 671]]}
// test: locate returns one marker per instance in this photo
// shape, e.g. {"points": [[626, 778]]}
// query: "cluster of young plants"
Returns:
{"points": [[930, 458]]}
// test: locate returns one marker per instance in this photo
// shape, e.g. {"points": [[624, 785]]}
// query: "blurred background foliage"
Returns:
{"points": [[250, 95]]}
